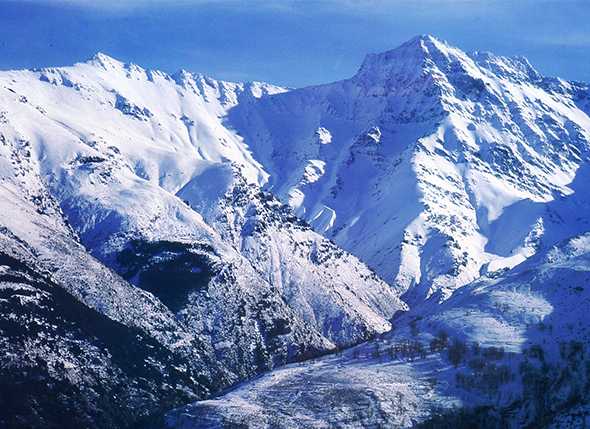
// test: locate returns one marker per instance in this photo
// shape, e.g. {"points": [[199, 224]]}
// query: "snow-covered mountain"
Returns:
{"points": [[237, 227], [431, 165], [440, 169], [106, 166]]}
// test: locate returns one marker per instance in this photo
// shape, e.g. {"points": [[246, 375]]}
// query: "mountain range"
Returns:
{"points": [[404, 248]]}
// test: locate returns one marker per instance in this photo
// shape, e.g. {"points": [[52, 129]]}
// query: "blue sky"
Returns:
{"points": [[287, 42]]}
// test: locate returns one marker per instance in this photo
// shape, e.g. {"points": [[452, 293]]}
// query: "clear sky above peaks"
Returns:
{"points": [[287, 42]]}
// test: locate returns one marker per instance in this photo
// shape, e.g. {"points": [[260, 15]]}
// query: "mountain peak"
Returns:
{"points": [[423, 39], [425, 54], [105, 61], [409, 58], [421, 45]]}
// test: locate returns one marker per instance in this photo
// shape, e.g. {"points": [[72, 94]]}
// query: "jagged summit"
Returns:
{"points": [[517, 67], [426, 54], [129, 69], [412, 59]]}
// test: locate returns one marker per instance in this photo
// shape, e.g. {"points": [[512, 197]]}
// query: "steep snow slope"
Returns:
{"points": [[523, 349], [329, 288], [478, 146], [431, 165]]}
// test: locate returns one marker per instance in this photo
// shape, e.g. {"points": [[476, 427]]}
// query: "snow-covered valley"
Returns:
{"points": [[434, 201]]}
